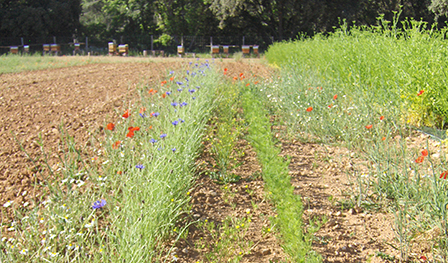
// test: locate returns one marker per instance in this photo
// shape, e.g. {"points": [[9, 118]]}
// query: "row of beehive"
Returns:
{"points": [[122, 49], [215, 49], [15, 49], [46, 48]]}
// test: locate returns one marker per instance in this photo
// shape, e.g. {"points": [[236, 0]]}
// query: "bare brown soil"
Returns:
{"points": [[34, 104]]}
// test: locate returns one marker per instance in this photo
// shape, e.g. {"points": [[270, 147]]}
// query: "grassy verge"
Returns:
{"points": [[16, 63], [121, 203], [297, 243]]}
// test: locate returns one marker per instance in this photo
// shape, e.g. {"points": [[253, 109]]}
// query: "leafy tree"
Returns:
{"points": [[39, 18]]}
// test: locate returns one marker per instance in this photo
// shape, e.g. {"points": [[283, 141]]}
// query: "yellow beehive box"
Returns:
{"points": [[180, 50], [77, 46], [123, 49], [55, 48], [26, 48], [46, 47], [225, 49], [112, 47], [14, 50]]}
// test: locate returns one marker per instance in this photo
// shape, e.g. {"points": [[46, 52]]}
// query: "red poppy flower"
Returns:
{"points": [[420, 92], [331, 105], [150, 127], [382, 118], [163, 82], [420, 159], [110, 126], [241, 74], [172, 78], [235, 78], [163, 95], [119, 172], [256, 82], [444, 175], [130, 134], [126, 114], [425, 152], [247, 84], [335, 97], [383, 139], [133, 129], [369, 126], [116, 145], [309, 109]]}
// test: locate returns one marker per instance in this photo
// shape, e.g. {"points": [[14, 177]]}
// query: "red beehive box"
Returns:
{"points": [[215, 49], [246, 49]]}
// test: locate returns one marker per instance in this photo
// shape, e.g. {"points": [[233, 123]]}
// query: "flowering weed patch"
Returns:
{"points": [[403, 65]]}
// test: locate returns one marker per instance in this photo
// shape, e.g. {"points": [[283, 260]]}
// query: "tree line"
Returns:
{"points": [[280, 19]]}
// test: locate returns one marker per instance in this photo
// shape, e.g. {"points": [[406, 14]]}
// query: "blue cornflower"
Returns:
{"points": [[181, 120], [168, 93], [99, 204], [140, 166], [174, 104], [193, 74], [142, 115], [183, 104], [179, 83], [186, 79], [179, 89], [194, 98], [191, 90], [198, 87], [171, 72], [163, 135], [155, 114], [174, 149], [175, 123], [188, 72], [152, 140], [190, 63]]}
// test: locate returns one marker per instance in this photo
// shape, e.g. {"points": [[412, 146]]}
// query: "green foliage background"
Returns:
{"points": [[137, 19]]}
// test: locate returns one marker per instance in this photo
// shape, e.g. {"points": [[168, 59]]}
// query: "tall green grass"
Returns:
{"points": [[388, 62], [359, 88]]}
